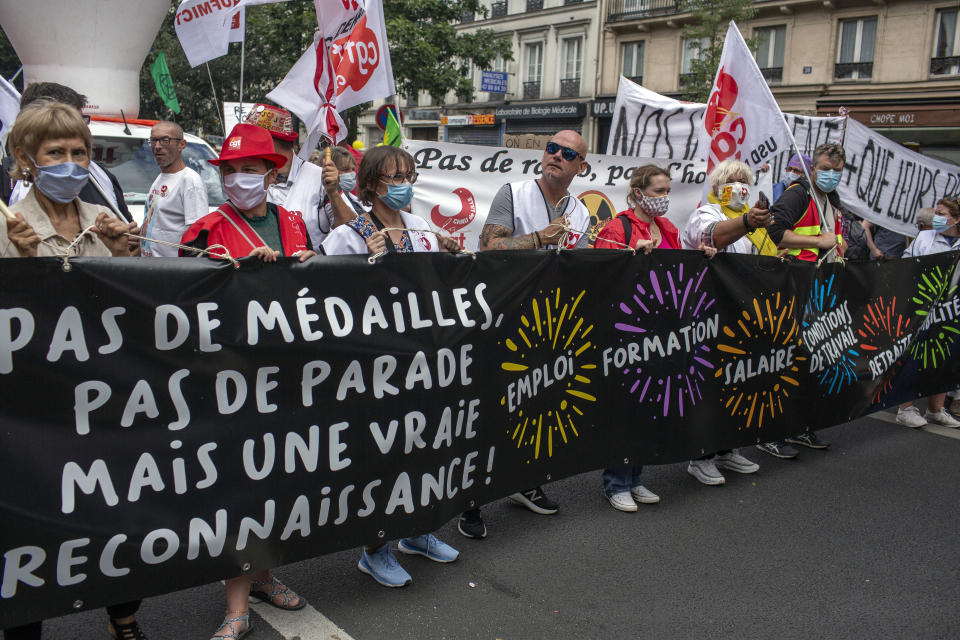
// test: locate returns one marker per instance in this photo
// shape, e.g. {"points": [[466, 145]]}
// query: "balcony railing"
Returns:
{"points": [[412, 100], [570, 88], [853, 70], [467, 17], [498, 9], [637, 79], [531, 90], [773, 75], [622, 10], [949, 66], [572, 1], [534, 5]]}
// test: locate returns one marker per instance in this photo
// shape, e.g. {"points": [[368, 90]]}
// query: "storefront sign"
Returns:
{"points": [[474, 120], [543, 111]]}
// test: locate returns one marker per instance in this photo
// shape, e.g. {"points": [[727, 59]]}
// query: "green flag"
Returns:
{"points": [[392, 134], [161, 76]]}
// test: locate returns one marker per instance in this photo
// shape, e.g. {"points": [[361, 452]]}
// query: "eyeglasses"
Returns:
{"points": [[164, 141], [86, 118], [568, 154], [400, 178]]}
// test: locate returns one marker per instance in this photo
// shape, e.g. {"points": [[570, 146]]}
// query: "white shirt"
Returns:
{"points": [[176, 200], [346, 240], [699, 230], [928, 242]]}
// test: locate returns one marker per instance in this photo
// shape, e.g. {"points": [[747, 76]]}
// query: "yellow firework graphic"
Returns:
{"points": [[759, 363], [552, 372]]}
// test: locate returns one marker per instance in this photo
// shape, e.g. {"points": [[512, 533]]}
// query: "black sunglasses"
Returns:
{"points": [[568, 154]]}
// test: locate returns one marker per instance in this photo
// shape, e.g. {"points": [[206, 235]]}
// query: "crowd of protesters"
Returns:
{"points": [[279, 205]]}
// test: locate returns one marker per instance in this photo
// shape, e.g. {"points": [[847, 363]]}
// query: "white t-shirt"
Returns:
{"points": [[345, 240], [699, 230], [176, 201]]}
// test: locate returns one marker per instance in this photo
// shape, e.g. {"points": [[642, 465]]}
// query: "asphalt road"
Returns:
{"points": [[860, 541]]}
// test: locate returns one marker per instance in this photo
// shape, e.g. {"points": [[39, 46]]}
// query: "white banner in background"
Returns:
{"points": [[883, 181], [886, 183], [649, 125], [457, 184]]}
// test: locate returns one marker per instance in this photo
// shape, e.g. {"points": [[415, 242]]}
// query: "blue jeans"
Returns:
{"points": [[621, 478]]}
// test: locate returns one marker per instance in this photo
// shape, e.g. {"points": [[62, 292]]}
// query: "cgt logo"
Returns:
{"points": [[727, 129], [456, 221], [355, 57]]}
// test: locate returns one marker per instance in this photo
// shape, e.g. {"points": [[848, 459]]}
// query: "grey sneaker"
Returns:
{"points": [[643, 495], [910, 417], [706, 472], [941, 418], [733, 461]]}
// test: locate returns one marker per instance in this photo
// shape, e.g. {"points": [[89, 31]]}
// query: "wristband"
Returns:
{"points": [[539, 240], [747, 226]]}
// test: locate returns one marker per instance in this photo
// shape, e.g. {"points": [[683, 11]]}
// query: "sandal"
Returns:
{"points": [[129, 631], [277, 588], [227, 631]]}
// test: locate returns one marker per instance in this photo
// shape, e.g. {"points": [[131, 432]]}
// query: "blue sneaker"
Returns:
{"points": [[430, 546], [384, 568]]}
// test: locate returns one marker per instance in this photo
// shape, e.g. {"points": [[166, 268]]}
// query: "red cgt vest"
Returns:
{"points": [[227, 227]]}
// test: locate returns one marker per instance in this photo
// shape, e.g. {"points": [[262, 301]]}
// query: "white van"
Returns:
{"points": [[129, 157]]}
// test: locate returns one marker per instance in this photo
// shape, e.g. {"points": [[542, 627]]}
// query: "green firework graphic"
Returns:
{"points": [[934, 293]]}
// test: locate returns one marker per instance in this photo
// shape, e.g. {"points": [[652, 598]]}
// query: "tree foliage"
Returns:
{"points": [[427, 52], [705, 38]]}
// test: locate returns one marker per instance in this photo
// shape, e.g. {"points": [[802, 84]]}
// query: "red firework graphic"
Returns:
{"points": [[882, 330]]}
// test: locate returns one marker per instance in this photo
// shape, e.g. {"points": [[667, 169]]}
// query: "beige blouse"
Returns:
{"points": [[51, 242]]}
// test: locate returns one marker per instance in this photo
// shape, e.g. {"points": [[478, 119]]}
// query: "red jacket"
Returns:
{"points": [[613, 230], [227, 227]]}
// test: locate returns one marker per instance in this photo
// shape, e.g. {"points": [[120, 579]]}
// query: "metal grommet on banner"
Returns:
{"points": [[66, 266], [473, 504], [626, 461], [78, 604], [381, 534], [373, 259], [245, 567], [549, 477]]}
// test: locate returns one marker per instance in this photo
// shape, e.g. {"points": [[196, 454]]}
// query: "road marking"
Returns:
{"points": [[305, 624], [948, 432]]}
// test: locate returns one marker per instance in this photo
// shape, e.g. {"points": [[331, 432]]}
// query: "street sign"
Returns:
{"points": [[493, 81], [382, 115]]}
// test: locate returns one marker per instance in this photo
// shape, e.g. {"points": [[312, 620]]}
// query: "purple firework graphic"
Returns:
{"points": [[666, 368]]}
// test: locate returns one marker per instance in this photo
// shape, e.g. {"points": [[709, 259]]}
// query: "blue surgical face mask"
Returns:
{"points": [[790, 177], [398, 195], [940, 223], [348, 181], [61, 182], [827, 179]]}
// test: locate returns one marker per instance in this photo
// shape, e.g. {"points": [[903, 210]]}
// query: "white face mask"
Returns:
{"points": [[245, 190], [734, 194], [790, 177]]}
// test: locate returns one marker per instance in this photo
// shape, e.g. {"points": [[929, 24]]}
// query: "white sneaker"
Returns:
{"points": [[706, 472], [910, 417], [733, 461], [941, 418], [622, 502], [644, 496]]}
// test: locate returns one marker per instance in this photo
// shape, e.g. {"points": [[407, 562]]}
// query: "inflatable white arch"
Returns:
{"points": [[93, 46]]}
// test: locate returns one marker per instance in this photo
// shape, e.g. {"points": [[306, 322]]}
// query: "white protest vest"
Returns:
{"points": [[532, 213]]}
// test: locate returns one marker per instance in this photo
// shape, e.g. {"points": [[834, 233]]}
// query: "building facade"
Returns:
{"points": [[893, 64]]}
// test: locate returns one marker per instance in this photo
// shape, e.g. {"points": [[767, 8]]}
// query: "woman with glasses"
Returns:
{"points": [[385, 183]]}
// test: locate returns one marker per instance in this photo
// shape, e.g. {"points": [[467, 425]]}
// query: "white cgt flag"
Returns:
{"points": [[742, 119], [9, 107], [354, 41], [206, 28]]}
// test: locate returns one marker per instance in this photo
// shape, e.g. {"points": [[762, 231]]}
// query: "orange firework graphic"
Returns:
{"points": [[551, 360], [759, 363]]}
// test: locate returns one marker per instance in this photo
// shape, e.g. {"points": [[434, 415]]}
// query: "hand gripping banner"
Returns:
{"points": [[168, 423]]}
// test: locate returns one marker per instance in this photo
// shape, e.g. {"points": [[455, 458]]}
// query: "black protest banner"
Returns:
{"points": [[168, 423]]}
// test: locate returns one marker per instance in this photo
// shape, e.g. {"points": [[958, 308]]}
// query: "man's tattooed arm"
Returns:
{"points": [[495, 236]]}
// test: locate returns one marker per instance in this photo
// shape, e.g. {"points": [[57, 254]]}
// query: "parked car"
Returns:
{"points": [[123, 149]]}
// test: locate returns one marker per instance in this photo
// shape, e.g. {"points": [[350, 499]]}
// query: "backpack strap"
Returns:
{"points": [[627, 229]]}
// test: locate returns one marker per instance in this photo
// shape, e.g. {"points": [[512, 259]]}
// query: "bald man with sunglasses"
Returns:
{"points": [[536, 214], [532, 214]]}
